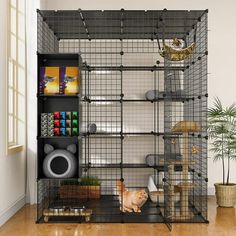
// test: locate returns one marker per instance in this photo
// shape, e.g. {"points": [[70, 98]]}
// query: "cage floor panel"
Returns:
{"points": [[106, 210]]}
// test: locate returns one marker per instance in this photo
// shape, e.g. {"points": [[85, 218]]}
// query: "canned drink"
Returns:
{"points": [[62, 123], [44, 123], [68, 123], [57, 131], [51, 134], [68, 131], [51, 130], [51, 127], [62, 131], [74, 131], [50, 116], [50, 122], [44, 127], [74, 115], [62, 115], [56, 115], [56, 123], [75, 123], [68, 115], [44, 116], [44, 132]]}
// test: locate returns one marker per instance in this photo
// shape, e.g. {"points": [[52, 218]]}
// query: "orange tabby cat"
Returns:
{"points": [[132, 200]]}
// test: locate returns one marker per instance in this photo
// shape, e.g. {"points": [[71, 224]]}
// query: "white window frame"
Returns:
{"points": [[13, 65]]}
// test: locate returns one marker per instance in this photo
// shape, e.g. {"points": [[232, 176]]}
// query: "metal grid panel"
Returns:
{"points": [[106, 24], [192, 183], [46, 39]]}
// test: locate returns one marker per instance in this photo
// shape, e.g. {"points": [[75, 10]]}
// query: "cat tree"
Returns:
{"points": [[185, 127]]}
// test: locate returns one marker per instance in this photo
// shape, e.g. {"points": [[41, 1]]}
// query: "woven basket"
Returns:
{"points": [[225, 195]]}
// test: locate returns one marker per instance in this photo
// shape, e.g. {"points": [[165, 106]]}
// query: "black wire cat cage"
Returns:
{"points": [[142, 108]]}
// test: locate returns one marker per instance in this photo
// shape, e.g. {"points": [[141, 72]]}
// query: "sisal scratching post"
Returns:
{"points": [[171, 189], [184, 192], [185, 127]]}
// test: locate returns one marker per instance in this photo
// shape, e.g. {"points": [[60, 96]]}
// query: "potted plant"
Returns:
{"points": [[88, 187], [222, 132]]}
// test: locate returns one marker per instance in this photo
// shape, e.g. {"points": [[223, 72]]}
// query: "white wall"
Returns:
{"points": [[222, 31], [12, 168], [31, 25]]}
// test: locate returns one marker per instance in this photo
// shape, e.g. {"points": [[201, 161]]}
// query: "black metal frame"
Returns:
{"points": [[120, 51]]}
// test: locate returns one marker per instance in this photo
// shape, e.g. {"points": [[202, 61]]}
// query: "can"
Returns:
{"points": [[57, 131], [68, 115], [56, 123], [68, 123], [74, 132], [62, 115], [62, 123], [75, 123], [68, 131], [56, 115], [74, 115], [62, 131]]}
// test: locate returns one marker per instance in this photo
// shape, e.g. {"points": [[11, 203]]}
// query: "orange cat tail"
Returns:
{"points": [[120, 187]]}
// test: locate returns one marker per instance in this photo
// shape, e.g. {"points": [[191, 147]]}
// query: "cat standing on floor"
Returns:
{"points": [[130, 200]]}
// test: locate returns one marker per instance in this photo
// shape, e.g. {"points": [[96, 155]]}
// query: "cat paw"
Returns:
{"points": [[129, 210], [135, 208], [122, 209]]}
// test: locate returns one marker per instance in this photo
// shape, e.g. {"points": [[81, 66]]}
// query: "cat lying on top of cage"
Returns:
{"points": [[131, 200]]}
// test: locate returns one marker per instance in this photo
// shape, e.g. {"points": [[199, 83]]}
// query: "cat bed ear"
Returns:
{"points": [[71, 148], [48, 148]]}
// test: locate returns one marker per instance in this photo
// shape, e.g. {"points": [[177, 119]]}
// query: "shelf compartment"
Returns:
{"points": [[58, 142], [52, 104]]}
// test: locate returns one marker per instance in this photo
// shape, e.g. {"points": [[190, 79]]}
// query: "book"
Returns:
{"points": [[69, 80], [49, 80]]}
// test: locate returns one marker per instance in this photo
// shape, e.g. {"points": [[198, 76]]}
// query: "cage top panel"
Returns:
{"points": [[120, 24]]}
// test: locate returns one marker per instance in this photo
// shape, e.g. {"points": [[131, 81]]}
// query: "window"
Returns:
{"points": [[16, 77]]}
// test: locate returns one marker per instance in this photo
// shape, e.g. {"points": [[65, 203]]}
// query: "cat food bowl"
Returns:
{"points": [[77, 210], [57, 210]]}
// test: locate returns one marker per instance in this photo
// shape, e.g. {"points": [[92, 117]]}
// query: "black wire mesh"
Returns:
{"points": [[135, 141]]}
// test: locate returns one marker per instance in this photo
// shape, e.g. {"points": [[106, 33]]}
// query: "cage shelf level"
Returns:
{"points": [[121, 57]]}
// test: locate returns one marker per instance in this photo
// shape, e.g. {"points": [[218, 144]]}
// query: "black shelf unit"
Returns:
{"points": [[57, 103], [120, 50]]}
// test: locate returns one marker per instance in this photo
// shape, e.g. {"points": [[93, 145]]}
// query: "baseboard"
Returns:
{"points": [[11, 210], [211, 191], [27, 198]]}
